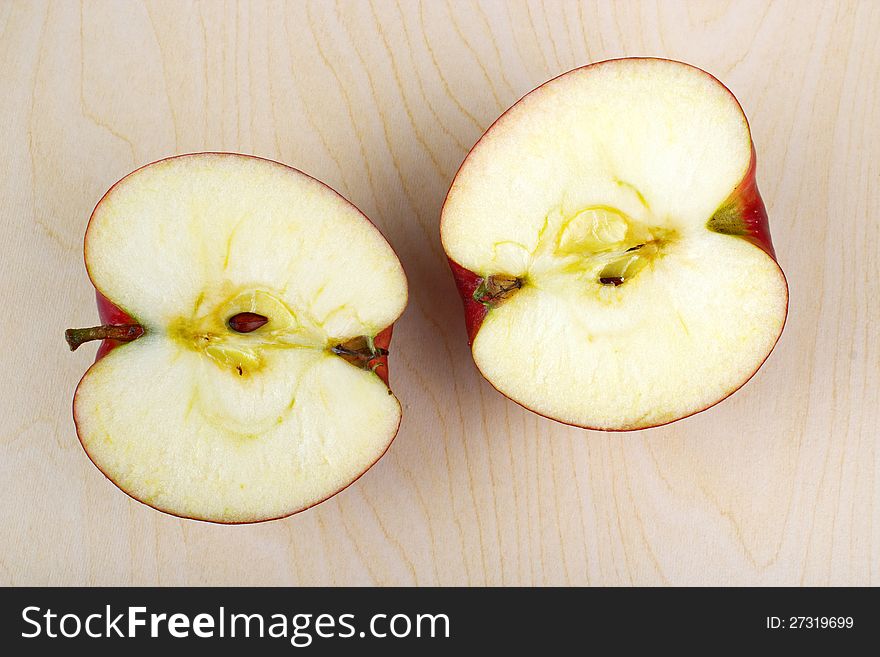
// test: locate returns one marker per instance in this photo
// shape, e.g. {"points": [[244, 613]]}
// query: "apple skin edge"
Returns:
{"points": [[742, 214]]}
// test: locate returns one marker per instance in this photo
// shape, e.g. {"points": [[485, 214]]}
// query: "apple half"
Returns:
{"points": [[611, 248], [247, 314]]}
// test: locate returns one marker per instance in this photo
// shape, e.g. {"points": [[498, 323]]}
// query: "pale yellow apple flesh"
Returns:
{"points": [[198, 419], [594, 194]]}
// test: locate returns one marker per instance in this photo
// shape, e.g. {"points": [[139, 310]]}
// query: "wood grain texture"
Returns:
{"points": [[382, 100]]}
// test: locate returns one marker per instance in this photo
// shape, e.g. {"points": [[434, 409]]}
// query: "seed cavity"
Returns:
{"points": [[623, 265]]}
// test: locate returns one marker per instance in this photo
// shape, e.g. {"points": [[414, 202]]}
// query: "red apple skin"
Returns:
{"points": [[753, 214], [467, 283], [745, 199], [110, 313], [747, 207], [380, 363]]}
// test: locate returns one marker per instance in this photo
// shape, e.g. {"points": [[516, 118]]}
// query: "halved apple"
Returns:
{"points": [[248, 310], [612, 251]]}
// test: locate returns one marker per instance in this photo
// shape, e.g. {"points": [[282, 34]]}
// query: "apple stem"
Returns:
{"points": [[118, 332], [363, 354], [360, 351]]}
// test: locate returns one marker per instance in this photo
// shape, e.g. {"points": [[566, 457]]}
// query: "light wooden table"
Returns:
{"points": [[780, 484]]}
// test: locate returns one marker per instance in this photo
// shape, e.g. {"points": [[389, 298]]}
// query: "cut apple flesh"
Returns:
{"points": [[621, 247], [247, 277]]}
